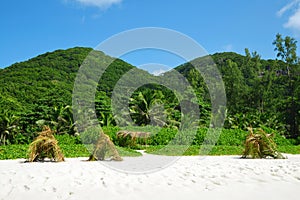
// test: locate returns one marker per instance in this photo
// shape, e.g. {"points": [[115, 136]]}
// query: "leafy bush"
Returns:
{"points": [[278, 138], [13, 151], [228, 137], [232, 137], [90, 135], [111, 131], [163, 137], [291, 149], [68, 139], [177, 150]]}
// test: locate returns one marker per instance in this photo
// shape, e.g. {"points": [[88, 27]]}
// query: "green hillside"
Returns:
{"points": [[48, 76], [259, 92], [39, 91]]}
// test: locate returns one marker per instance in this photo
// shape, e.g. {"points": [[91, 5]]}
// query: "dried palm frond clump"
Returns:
{"points": [[105, 148], [124, 136], [45, 146], [261, 145]]}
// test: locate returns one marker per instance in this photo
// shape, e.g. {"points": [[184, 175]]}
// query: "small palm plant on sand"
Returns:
{"points": [[104, 147], [261, 145], [45, 146]]}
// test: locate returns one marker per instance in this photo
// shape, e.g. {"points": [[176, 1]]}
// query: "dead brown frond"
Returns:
{"points": [[260, 145], [104, 148], [45, 146], [132, 136]]}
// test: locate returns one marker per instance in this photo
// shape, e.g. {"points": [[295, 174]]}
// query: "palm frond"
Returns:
{"points": [[104, 148], [45, 146], [260, 145]]}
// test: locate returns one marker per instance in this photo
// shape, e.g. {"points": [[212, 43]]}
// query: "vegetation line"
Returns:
{"points": [[260, 94]]}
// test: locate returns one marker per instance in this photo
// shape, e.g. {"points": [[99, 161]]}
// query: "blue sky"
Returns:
{"points": [[33, 27]]}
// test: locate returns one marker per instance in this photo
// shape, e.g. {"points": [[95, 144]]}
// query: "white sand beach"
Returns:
{"points": [[195, 177]]}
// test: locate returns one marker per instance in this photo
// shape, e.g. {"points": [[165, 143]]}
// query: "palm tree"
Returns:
{"points": [[103, 109], [61, 119], [147, 108], [8, 127], [106, 119]]}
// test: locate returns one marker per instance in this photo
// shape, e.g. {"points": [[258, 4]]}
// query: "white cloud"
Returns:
{"points": [[294, 21], [103, 4], [293, 9], [287, 7], [158, 72]]}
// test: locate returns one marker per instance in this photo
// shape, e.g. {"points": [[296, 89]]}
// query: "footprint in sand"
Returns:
{"points": [[103, 182], [26, 188]]}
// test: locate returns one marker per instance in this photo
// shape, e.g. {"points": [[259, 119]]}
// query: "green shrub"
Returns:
{"points": [[179, 150], [199, 137], [111, 131], [163, 137], [68, 139], [90, 135], [13, 151], [279, 139], [228, 137], [232, 137], [290, 149]]}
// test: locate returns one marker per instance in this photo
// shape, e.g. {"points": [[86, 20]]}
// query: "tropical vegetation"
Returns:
{"points": [[260, 94]]}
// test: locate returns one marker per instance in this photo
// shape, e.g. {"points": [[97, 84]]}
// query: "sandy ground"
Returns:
{"points": [[153, 177]]}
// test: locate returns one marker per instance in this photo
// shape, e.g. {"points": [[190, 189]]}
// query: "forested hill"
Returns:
{"points": [[49, 75], [259, 93], [39, 91], [48, 79]]}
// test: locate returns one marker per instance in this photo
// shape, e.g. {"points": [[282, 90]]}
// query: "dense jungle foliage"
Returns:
{"points": [[259, 93]]}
